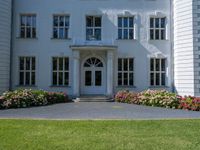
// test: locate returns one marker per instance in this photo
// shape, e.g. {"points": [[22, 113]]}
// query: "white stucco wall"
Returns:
{"points": [[5, 32], [44, 48]]}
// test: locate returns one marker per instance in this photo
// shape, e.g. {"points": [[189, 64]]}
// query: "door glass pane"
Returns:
{"points": [[98, 78], [88, 78]]}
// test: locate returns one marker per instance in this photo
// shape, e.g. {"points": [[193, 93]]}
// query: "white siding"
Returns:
{"points": [[183, 47], [5, 29]]}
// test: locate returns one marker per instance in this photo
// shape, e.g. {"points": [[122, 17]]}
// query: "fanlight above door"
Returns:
{"points": [[93, 62]]}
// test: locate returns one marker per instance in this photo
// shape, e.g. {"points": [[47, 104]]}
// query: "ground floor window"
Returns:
{"points": [[125, 72], [27, 71], [157, 72], [60, 71]]}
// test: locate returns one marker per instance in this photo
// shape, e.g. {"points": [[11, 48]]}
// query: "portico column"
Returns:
{"points": [[110, 59], [76, 73]]}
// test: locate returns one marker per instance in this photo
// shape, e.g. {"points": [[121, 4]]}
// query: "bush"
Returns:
{"points": [[127, 97], [27, 98], [189, 103]]}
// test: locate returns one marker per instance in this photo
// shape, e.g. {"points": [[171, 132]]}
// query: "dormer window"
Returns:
{"points": [[93, 28]]}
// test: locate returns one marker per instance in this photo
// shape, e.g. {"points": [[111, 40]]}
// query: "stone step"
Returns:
{"points": [[93, 99]]}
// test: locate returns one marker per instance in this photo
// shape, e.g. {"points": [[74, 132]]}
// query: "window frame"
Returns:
{"points": [[126, 28], [160, 29], [25, 26], [64, 27], [93, 27], [160, 72], [128, 71], [63, 71], [24, 71]]}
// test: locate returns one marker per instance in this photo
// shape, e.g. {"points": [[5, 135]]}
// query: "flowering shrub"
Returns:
{"points": [[27, 98], [126, 97], [189, 103]]}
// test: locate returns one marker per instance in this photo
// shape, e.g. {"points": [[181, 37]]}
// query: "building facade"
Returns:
{"points": [[87, 47]]}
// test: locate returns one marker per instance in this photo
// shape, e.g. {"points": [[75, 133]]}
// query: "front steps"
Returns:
{"points": [[93, 98]]}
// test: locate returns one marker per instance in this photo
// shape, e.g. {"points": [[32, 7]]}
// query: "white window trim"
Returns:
{"points": [[25, 71], [63, 71], [58, 27], [128, 71]]}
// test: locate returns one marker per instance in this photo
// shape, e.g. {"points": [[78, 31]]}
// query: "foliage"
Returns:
{"points": [[189, 103], [27, 98], [126, 97]]}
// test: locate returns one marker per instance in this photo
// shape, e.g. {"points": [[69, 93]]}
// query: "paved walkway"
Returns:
{"points": [[97, 111]]}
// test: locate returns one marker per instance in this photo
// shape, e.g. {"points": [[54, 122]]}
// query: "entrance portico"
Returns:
{"points": [[93, 70]]}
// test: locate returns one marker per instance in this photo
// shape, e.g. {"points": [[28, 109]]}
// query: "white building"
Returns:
{"points": [[95, 47]]}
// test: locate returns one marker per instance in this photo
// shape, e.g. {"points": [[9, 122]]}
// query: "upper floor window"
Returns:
{"points": [[125, 72], [93, 28], [28, 26], [126, 28], [61, 26], [157, 28], [27, 71], [158, 72]]}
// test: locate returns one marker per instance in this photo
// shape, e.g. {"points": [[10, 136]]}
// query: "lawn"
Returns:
{"points": [[104, 135]]}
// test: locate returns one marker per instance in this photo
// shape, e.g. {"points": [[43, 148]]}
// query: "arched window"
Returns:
{"points": [[93, 62]]}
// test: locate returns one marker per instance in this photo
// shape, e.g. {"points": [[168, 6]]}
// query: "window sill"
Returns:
{"points": [[62, 39], [126, 86], [27, 86], [126, 39], [54, 86], [158, 40], [27, 38], [158, 87]]}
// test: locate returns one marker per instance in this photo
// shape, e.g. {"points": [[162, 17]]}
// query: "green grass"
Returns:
{"points": [[100, 135]]}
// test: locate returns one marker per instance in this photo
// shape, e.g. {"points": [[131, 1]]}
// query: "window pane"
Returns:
{"points": [[131, 66], [21, 78], [89, 21], [21, 61], [55, 64], [61, 64], [131, 22], [120, 22], [163, 79], [33, 78], [157, 64], [55, 33], [22, 33], [33, 32], [152, 34], [33, 63], [152, 65], [130, 33], [119, 64], [163, 65], [162, 34], [98, 22], [28, 32], [125, 79], [162, 22], [125, 22], [157, 34], [60, 78], [152, 79], [131, 80], [28, 21], [125, 33], [152, 23], [55, 21], [157, 22], [89, 34], [66, 33], [61, 33], [27, 78], [98, 34], [61, 21], [88, 78], [157, 79], [98, 78], [66, 21], [54, 78], [66, 78], [66, 64], [34, 21], [120, 79], [125, 64], [119, 33], [28, 63]]}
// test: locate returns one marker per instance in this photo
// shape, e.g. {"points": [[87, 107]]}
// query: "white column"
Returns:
{"points": [[76, 73], [110, 78]]}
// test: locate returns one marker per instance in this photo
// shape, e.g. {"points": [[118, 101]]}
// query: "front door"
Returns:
{"points": [[93, 80]]}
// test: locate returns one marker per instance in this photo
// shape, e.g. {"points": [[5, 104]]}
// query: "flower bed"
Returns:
{"points": [[27, 98], [159, 98]]}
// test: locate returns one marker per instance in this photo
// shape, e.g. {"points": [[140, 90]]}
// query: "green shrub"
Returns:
{"points": [[28, 98]]}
